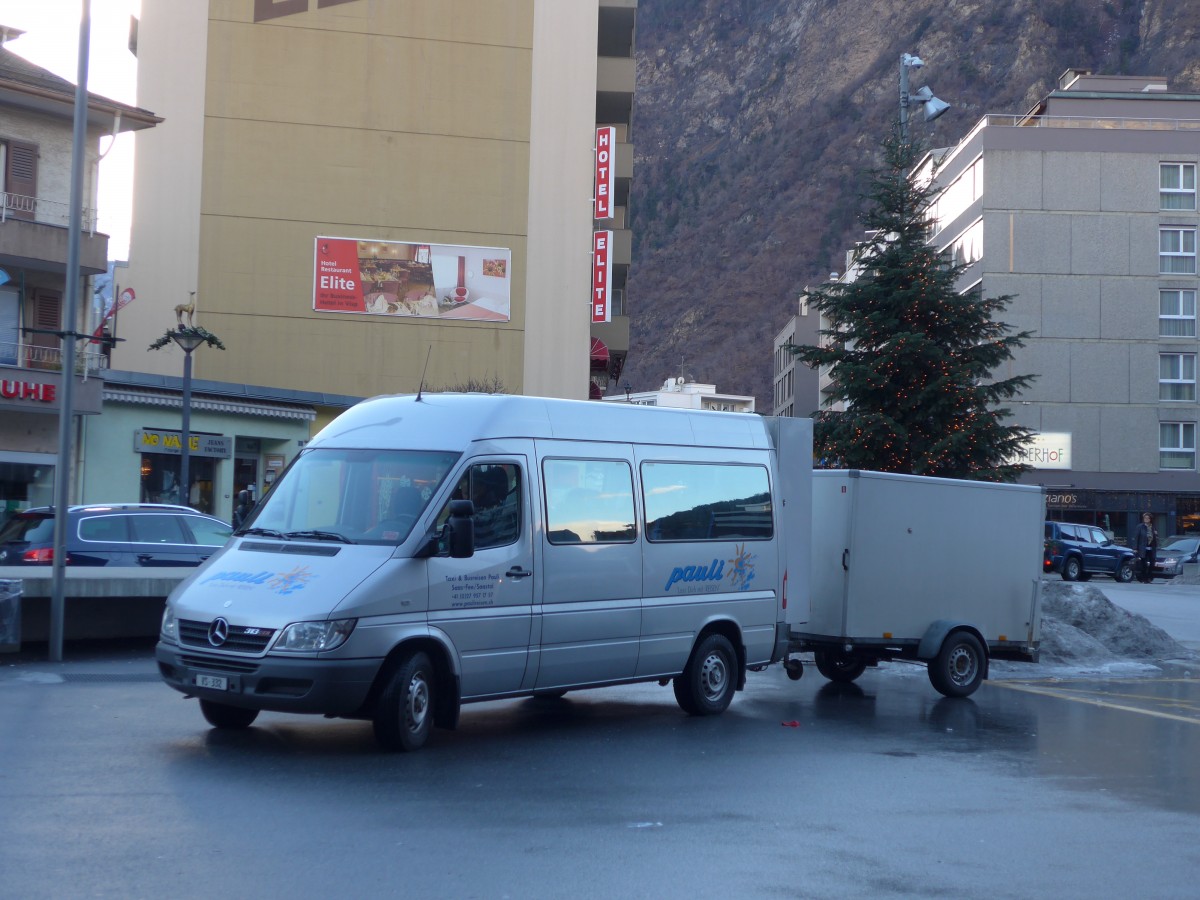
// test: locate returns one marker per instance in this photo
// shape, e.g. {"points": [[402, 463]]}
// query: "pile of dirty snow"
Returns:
{"points": [[1081, 625]]}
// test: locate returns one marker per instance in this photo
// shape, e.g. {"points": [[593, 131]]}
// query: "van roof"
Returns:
{"points": [[452, 421]]}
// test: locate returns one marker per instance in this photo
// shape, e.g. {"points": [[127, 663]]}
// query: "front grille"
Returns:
{"points": [[219, 664], [242, 639]]}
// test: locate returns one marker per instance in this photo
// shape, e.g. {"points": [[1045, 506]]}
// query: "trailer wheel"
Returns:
{"points": [[958, 668], [1072, 569], [706, 685], [840, 667], [222, 715], [404, 715]]}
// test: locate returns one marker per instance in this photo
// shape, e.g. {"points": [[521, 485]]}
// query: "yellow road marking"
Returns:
{"points": [[1092, 701]]}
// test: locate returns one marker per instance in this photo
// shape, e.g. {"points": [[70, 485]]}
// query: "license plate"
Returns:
{"points": [[213, 682]]}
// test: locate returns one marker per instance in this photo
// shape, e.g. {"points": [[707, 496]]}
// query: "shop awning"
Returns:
{"points": [[599, 355]]}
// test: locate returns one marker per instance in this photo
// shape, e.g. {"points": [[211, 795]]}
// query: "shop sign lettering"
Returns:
{"points": [[170, 442], [28, 390]]}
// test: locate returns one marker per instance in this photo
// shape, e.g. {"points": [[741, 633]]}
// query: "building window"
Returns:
{"points": [[1177, 185], [1177, 376], [1177, 313], [1176, 445], [1177, 251]]}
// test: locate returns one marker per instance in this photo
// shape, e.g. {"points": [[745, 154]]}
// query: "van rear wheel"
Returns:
{"points": [[222, 715], [706, 685], [404, 715]]}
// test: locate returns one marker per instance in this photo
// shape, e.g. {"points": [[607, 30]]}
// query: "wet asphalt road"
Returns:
{"points": [[111, 785]]}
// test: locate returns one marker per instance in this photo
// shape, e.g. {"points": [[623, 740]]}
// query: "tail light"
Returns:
{"points": [[45, 556]]}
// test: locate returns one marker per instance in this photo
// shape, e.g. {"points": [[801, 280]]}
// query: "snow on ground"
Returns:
{"points": [[1085, 633]]}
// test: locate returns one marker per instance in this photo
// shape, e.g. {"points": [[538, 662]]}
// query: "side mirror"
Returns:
{"points": [[461, 529]]}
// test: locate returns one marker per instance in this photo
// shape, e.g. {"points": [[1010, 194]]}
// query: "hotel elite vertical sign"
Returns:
{"points": [[606, 138], [601, 275]]}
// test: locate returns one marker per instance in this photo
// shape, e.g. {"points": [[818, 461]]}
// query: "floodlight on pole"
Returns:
{"points": [[924, 97], [188, 340]]}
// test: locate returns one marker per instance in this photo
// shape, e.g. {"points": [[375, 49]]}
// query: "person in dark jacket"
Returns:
{"points": [[242, 509], [1145, 545]]}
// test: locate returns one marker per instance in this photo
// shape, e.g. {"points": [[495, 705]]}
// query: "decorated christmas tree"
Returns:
{"points": [[913, 358]]}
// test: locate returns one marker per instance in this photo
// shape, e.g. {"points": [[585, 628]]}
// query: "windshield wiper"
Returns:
{"points": [[320, 536], [265, 532]]}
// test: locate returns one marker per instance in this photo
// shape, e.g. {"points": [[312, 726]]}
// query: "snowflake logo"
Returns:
{"points": [[290, 582], [741, 572]]}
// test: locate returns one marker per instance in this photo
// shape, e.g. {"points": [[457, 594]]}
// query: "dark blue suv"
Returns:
{"points": [[1077, 552], [120, 534]]}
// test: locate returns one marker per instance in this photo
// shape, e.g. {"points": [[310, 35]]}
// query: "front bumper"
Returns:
{"points": [[283, 684]]}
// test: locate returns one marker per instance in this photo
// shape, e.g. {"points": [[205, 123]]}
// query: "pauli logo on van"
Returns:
{"points": [[740, 574], [279, 582]]}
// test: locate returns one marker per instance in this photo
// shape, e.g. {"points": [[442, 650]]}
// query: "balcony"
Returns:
{"points": [[49, 359], [34, 232]]}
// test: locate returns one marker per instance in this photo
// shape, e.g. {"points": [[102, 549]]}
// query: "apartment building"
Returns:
{"points": [[367, 197], [36, 141], [1084, 209], [794, 385]]}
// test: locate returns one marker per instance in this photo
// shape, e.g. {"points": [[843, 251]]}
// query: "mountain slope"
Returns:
{"points": [[755, 119]]}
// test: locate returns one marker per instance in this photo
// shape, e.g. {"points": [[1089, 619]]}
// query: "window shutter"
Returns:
{"points": [[20, 178]]}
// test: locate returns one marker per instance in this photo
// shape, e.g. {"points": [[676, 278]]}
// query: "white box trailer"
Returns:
{"points": [[937, 570]]}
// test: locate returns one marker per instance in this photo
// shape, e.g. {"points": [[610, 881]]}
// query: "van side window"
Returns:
{"points": [[589, 501], [495, 489], [706, 502]]}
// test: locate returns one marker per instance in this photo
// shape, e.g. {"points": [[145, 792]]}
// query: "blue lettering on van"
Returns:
{"points": [[714, 571], [280, 582]]}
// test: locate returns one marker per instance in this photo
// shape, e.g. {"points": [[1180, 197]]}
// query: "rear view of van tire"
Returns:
{"points": [[404, 716], [706, 685]]}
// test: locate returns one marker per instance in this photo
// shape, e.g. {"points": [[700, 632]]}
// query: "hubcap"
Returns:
{"points": [[418, 702], [713, 676], [962, 666]]}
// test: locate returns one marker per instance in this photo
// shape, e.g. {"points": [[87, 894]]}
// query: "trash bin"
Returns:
{"points": [[10, 615]]}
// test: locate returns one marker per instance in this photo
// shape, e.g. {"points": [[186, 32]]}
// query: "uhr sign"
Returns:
{"points": [[601, 276], [606, 139]]}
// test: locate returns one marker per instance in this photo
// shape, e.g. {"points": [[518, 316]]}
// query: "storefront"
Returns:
{"points": [[240, 438], [1118, 512], [30, 405]]}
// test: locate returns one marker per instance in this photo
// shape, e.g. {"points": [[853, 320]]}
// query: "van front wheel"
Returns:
{"points": [[706, 685], [404, 716], [221, 715]]}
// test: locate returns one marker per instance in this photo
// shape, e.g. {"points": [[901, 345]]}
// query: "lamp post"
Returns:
{"points": [[923, 97], [188, 340]]}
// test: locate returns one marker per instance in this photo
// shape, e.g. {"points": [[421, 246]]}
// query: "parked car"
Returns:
{"points": [[122, 534], [1077, 552], [1174, 554]]}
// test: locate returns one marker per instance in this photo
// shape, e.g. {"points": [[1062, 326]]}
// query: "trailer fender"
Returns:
{"points": [[936, 634]]}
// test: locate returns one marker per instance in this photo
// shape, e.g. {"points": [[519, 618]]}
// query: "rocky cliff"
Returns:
{"points": [[755, 120]]}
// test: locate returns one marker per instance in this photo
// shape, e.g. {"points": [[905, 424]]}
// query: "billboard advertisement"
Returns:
{"points": [[397, 278]]}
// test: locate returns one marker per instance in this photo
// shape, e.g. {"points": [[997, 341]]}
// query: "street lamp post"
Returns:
{"points": [[923, 97], [188, 340]]}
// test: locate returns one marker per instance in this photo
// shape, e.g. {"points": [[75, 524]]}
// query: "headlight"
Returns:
{"points": [[313, 636], [1170, 560], [168, 623]]}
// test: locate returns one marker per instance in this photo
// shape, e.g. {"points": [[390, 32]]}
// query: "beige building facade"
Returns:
{"points": [[452, 139], [1085, 211]]}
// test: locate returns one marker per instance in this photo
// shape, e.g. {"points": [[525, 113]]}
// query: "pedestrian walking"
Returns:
{"points": [[1145, 545]]}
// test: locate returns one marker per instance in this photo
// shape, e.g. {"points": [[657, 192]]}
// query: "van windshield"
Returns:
{"points": [[351, 496]]}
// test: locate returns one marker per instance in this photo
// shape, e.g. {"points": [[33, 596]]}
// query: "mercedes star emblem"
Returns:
{"points": [[218, 632]]}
